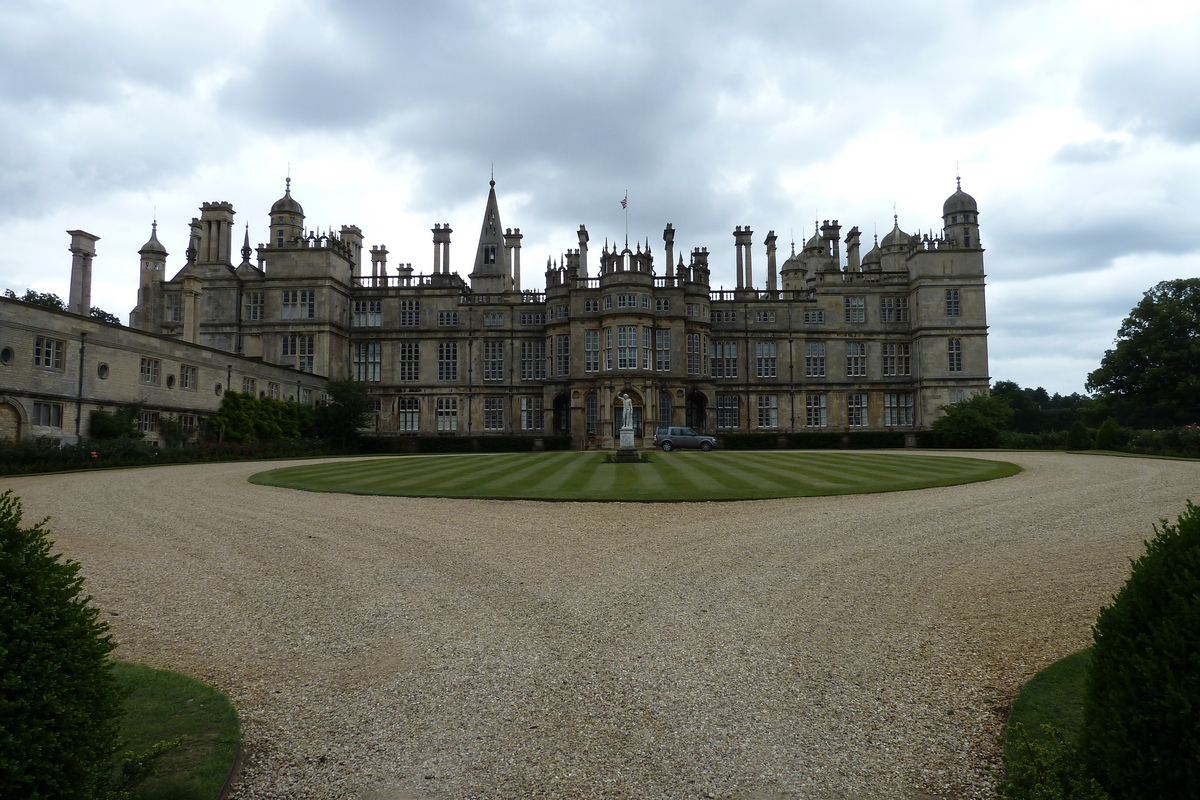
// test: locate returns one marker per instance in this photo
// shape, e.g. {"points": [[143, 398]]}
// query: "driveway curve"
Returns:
{"points": [[377, 647]]}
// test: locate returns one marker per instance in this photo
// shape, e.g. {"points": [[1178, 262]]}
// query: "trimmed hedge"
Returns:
{"points": [[814, 440], [1140, 734]]}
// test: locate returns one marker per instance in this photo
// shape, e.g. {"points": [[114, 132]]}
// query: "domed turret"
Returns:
{"points": [[960, 219], [153, 247], [959, 202], [873, 260], [287, 218], [896, 238]]}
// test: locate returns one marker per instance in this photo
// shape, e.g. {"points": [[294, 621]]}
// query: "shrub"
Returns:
{"points": [[973, 423], [1141, 727], [1109, 435], [58, 699], [1045, 768], [750, 441], [876, 440], [814, 440], [1079, 437]]}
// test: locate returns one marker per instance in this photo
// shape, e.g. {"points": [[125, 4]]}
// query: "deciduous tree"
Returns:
{"points": [[1151, 377]]}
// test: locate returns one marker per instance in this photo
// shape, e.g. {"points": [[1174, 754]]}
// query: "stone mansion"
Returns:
{"points": [[832, 338]]}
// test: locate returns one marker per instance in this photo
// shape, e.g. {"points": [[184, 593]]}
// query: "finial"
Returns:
{"points": [[288, 183], [958, 176], [793, 233]]}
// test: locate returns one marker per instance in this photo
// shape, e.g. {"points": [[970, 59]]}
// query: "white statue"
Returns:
{"points": [[628, 401]]}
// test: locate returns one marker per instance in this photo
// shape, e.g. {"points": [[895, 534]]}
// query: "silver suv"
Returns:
{"points": [[670, 438]]}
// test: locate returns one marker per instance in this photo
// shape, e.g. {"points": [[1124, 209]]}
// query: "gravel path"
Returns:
{"points": [[379, 648]]}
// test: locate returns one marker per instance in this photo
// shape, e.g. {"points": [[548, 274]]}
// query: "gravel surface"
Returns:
{"points": [[382, 648]]}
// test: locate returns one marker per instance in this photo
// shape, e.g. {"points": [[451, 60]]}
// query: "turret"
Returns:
{"points": [[151, 273], [287, 219], [960, 219]]}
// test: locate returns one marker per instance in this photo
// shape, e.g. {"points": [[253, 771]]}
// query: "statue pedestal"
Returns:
{"points": [[626, 439], [626, 452]]}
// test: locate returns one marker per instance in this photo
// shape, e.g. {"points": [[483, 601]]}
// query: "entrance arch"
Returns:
{"points": [[562, 414], [10, 422], [696, 410]]}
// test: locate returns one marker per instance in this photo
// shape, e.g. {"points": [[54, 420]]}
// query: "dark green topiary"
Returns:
{"points": [[1079, 437], [59, 702], [1141, 729], [1109, 435]]}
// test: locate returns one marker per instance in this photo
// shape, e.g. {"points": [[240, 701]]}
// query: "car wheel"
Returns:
{"points": [[667, 447], [706, 446]]}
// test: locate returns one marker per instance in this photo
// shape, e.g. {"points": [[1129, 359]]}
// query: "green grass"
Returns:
{"points": [[669, 477], [1054, 696], [161, 706]]}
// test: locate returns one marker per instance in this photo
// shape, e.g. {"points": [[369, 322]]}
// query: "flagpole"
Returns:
{"points": [[625, 206]]}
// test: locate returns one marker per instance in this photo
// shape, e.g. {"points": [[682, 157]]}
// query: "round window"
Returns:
{"points": [[6, 355], [102, 371]]}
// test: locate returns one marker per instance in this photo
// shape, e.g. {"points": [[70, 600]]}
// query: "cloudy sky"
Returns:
{"points": [[1074, 124]]}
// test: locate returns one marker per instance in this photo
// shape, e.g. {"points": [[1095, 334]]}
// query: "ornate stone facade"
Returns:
{"points": [[828, 341]]}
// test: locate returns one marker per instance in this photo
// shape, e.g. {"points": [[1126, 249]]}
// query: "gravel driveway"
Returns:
{"points": [[843, 647]]}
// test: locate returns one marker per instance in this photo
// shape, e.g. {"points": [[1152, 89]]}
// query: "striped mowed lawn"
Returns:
{"points": [[669, 477]]}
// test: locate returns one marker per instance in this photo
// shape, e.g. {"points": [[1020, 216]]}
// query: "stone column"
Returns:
{"points": [[737, 245], [437, 250], [583, 260], [669, 242], [772, 282], [83, 248], [748, 246]]}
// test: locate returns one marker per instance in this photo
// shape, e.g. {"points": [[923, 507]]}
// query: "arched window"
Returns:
{"points": [[591, 412]]}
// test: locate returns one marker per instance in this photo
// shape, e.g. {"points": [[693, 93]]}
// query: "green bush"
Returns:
{"points": [[875, 440], [1047, 440], [1109, 435], [814, 440], [1045, 768], [750, 441], [974, 423], [1079, 437], [1141, 728], [59, 703]]}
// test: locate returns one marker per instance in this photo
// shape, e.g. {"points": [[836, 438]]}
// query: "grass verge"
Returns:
{"points": [[162, 705], [670, 477], [1054, 696]]}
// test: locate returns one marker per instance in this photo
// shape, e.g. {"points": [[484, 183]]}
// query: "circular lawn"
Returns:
{"points": [[667, 477]]}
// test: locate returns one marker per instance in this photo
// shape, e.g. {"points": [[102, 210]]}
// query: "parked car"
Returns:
{"points": [[670, 438]]}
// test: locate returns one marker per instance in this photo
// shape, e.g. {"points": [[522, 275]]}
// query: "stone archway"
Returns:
{"points": [[562, 414], [10, 422], [696, 410]]}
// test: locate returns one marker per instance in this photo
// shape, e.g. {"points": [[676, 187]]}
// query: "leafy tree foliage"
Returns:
{"points": [[1037, 411], [1079, 437], [339, 419], [104, 316], [59, 702], [121, 423], [246, 418], [1141, 725], [1109, 435], [975, 422], [1151, 378], [38, 299]]}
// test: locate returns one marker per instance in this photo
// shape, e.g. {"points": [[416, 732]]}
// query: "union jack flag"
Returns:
{"points": [[625, 201]]}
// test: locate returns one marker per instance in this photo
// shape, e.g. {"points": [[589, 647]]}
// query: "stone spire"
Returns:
{"points": [[491, 274]]}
